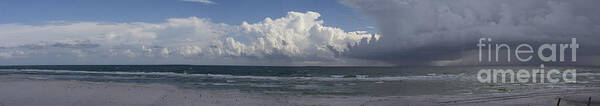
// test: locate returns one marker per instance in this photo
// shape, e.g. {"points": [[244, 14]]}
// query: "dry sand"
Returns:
{"points": [[38, 92]]}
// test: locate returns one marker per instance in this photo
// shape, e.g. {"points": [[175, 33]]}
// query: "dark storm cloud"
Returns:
{"points": [[429, 31]]}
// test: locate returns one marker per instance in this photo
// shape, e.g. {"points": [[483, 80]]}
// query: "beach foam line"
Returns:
{"points": [[225, 76]]}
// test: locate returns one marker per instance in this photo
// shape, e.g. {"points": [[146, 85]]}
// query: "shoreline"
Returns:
{"points": [[33, 92]]}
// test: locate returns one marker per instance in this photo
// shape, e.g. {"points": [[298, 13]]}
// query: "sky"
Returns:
{"points": [[287, 32], [221, 11]]}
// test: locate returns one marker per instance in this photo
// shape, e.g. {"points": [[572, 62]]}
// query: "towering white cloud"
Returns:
{"points": [[297, 36]]}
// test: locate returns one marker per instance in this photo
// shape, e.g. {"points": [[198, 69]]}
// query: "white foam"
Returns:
{"points": [[225, 76]]}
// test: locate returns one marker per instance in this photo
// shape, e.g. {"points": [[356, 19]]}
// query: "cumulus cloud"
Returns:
{"points": [[445, 31], [297, 37], [200, 1]]}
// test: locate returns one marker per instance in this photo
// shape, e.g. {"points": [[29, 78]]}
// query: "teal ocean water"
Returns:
{"points": [[371, 81]]}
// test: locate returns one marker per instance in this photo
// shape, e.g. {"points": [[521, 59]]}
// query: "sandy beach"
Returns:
{"points": [[16, 91]]}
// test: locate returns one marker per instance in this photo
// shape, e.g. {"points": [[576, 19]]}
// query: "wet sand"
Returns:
{"points": [[16, 91]]}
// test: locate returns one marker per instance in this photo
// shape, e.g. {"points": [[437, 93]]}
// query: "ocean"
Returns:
{"points": [[304, 80]]}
